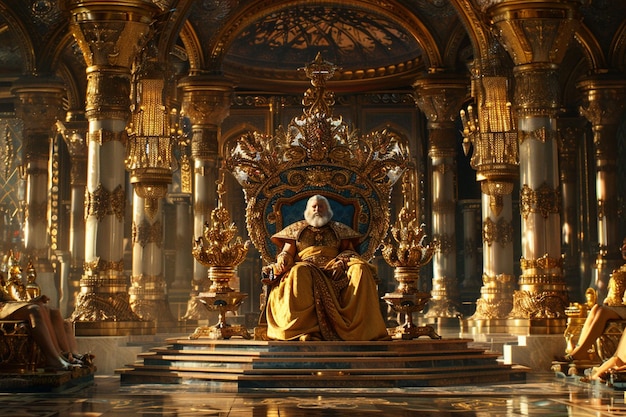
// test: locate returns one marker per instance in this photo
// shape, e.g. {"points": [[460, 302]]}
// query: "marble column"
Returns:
{"points": [[604, 100], [440, 97], [103, 307], [39, 105], [536, 36], [206, 102], [184, 227], [148, 290], [571, 131], [74, 131]]}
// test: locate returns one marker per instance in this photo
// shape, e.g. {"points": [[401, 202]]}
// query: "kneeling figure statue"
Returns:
{"points": [[323, 289]]}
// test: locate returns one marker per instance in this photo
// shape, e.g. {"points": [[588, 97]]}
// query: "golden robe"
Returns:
{"points": [[311, 303]]}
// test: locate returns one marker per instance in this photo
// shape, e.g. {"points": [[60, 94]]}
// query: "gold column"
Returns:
{"points": [[206, 102], [74, 131], [536, 35], [440, 97], [109, 34], [603, 105], [571, 132], [39, 105]]}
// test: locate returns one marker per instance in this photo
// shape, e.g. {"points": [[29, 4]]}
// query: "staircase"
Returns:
{"points": [[239, 365]]}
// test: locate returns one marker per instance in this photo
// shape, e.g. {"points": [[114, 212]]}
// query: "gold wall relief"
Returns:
{"points": [[102, 203], [144, 233], [544, 200]]}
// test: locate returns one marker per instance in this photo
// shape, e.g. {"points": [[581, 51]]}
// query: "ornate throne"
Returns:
{"points": [[316, 154]]}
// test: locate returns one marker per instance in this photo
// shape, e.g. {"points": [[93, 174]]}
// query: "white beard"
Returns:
{"points": [[316, 220]]}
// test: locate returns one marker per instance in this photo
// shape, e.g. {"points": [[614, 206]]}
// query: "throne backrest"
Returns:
{"points": [[317, 154]]}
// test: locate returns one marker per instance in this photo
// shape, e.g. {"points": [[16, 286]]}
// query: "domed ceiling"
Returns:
{"points": [[363, 45]]}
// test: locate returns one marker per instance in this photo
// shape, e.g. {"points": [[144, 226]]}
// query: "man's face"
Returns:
{"points": [[316, 213], [623, 248]]}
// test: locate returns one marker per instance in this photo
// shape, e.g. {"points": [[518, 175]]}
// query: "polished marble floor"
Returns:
{"points": [[544, 394]]}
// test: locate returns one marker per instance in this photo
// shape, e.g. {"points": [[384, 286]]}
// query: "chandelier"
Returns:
{"points": [[490, 130], [149, 158]]}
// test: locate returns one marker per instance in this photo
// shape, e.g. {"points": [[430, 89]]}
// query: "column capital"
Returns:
{"points": [[39, 103], [110, 33], [206, 99], [440, 96], [535, 31], [604, 99]]}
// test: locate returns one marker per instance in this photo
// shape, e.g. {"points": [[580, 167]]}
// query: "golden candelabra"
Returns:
{"points": [[407, 256], [215, 251]]}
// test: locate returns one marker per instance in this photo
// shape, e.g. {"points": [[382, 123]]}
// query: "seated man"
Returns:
{"points": [[324, 290]]}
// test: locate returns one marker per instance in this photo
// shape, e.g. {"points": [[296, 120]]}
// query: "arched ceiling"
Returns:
{"points": [[351, 38], [374, 44]]}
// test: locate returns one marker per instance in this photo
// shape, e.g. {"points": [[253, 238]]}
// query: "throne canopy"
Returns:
{"points": [[317, 154]]}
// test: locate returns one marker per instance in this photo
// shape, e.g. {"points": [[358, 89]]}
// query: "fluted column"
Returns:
{"points": [[571, 133], [39, 105], [440, 97], [536, 36], [206, 101], [74, 130], [109, 35], [603, 105]]}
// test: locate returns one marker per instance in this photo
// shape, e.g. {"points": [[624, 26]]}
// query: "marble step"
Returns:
{"points": [[243, 365]]}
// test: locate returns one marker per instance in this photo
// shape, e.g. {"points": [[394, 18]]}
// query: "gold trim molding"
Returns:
{"points": [[545, 201], [145, 232], [500, 232], [102, 203]]}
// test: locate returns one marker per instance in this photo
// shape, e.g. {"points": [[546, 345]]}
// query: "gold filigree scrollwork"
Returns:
{"points": [[545, 200], [544, 263], [496, 190], [538, 305], [495, 301], [101, 203], [501, 232], [93, 307], [145, 232], [98, 265], [186, 177], [103, 136]]}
